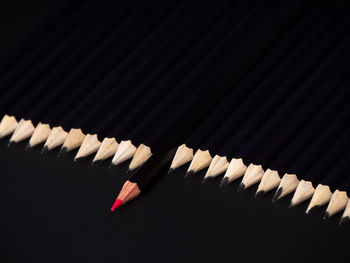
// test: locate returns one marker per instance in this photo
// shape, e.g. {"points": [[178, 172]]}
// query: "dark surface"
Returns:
{"points": [[57, 210]]}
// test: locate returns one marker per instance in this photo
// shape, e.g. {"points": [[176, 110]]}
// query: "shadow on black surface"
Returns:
{"points": [[54, 210]]}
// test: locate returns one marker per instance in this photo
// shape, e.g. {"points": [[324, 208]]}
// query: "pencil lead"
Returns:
{"points": [[182, 156], [170, 170], [24, 130], [277, 195], [224, 182], [142, 154], [321, 196], [8, 125], [205, 179], [129, 191], [200, 161], [27, 147], [217, 166], [62, 151], [259, 194], [56, 138], [288, 184], [241, 187], [346, 215], [304, 191], [125, 151], [344, 220], [116, 204], [10, 144], [269, 181], [74, 139], [40, 134], [252, 175], [326, 216], [188, 173], [312, 210], [337, 203], [107, 149], [44, 149], [88, 146]]}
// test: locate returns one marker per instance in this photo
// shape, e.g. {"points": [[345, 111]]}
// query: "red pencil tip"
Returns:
{"points": [[116, 204]]}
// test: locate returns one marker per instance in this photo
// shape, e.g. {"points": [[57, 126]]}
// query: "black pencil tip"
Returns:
{"points": [[110, 165], [27, 146], [188, 173], [326, 216], [62, 151], [259, 193], [291, 205], [313, 209], [241, 187], [170, 170], [129, 171], [44, 149], [205, 179], [343, 220], [224, 182], [10, 143], [277, 195]]}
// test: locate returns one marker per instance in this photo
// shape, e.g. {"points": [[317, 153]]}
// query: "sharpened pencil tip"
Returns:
{"points": [[116, 204], [188, 173], [241, 187], [313, 209], [326, 216], [343, 220], [291, 205], [27, 146], [110, 165], [170, 170], [44, 149], [128, 170], [224, 182], [277, 195], [62, 151], [205, 179], [10, 143], [259, 193]]}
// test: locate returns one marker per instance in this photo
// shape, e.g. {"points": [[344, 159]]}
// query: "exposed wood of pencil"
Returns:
{"points": [[40, 134], [304, 191], [8, 125], [125, 151], [321, 196], [217, 166], [235, 170], [287, 185], [88, 146], [200, 161], [73, 140], [337, 203], [252, 175], [56, 138], [142, 154], [269, 181], [107, 149], [24, 129], [182, 156]]}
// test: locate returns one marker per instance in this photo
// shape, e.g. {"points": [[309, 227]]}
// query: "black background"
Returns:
{"points": [[56, 210]]}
